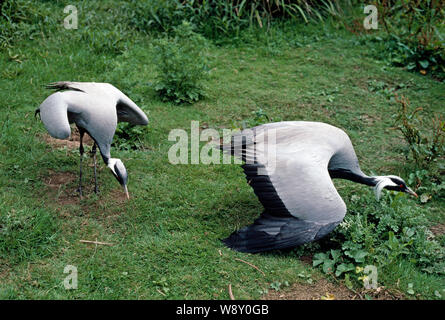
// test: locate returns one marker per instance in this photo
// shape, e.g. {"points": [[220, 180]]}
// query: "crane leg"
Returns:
{"points": [[93, 151], [81, 151]]}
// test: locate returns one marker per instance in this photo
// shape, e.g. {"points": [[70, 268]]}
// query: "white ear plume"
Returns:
{"points": [[111, 163], [383, 181]]}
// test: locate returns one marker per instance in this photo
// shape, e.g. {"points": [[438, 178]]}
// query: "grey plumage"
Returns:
{"points": [[290, 165], [95, 108]]}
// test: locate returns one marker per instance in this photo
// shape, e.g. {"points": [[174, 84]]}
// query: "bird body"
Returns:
{"points": [[301, 203], [95, 108]]}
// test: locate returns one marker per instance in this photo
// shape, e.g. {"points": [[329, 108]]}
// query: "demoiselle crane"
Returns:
{"points": [[290, 166], [95, 108]]}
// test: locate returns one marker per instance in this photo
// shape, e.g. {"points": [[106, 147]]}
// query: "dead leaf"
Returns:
{"points": [[328, 296]]}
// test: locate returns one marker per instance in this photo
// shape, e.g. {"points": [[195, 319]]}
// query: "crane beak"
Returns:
{"points": [[126, 192], [411, 192]]}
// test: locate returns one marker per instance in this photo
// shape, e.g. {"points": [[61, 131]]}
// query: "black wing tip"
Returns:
{"points": [[248, 241], [256, 245], [289, 233], [230, 243]]}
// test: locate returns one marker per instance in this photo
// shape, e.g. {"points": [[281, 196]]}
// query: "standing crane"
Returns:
{"points": [[295, 185], [95, 108]]}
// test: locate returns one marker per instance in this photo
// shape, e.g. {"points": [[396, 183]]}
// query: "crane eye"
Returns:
{"points": [[401, 185]]}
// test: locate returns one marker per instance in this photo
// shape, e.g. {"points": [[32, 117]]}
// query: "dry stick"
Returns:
{"points": [[161, 292], [230, 292], [253, 266], [96, 242]]}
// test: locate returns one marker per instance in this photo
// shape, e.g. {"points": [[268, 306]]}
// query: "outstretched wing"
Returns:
{"points": [[289, 175]]}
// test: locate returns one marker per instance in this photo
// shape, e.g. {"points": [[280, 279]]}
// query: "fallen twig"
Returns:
{"points": [[161, 292], [230, 292], [96, 242], [253, 266]]}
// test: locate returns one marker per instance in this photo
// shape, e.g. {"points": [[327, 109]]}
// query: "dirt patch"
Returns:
{"points": [[306, 259], [55, 179], [322, 289], [368, 119], [61, 187], [319, 290], [4, 271], [438, 229], [117, 199], [73, 142]]}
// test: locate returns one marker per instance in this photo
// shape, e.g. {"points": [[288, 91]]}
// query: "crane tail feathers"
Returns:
{"points": [[62, 85]]}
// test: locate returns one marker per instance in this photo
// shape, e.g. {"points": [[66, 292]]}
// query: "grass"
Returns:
{"points": [[166, 238]]}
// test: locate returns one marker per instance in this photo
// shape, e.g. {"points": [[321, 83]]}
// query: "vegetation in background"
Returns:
{"points": [[426, 147], [182, 65], [223, 18], [414, 36], [104, 40], [128, 137], [20, 20]]}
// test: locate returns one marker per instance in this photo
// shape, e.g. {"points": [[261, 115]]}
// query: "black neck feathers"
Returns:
{"points": [[358, 177]]}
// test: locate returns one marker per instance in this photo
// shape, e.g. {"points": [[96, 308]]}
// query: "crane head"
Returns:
{"points": [[120, 173], [394, 183]]}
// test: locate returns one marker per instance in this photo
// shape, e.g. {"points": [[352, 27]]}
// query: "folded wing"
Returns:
{"points": [[54, 115], [127, 110]]}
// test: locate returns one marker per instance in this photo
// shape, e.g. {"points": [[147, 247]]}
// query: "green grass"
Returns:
{"points": [[166, 238]]}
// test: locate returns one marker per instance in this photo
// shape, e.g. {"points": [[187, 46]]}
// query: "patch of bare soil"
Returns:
{"points": [[306, 259], [117, 199], [318, 290], [119, 196], [322, 289], [4, 272], [72, 142], [438, 229], [61, 187]]}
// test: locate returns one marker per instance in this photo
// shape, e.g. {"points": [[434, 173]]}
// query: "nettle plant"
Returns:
{"points": [[425, 146], [414, 35], [258, 117], [378, 234], [128, 136], [182, 62]]}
